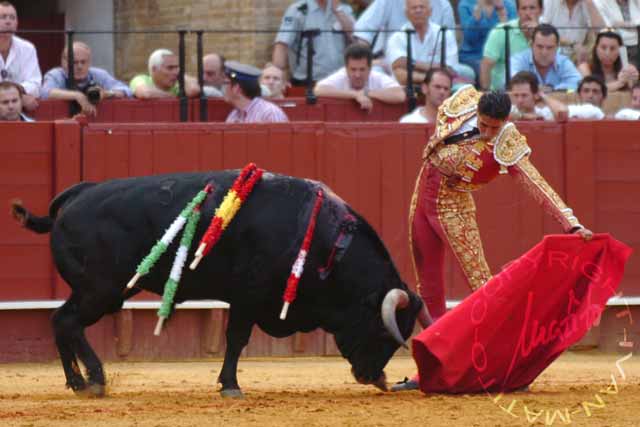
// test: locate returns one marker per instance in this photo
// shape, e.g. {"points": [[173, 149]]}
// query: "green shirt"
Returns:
{"points": [[494, 49], [148, 81]]}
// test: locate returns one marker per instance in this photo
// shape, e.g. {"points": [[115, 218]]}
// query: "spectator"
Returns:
{"points": [[573, 14], [492, 67], [436, 88], [425, 45], [389, 15], [478, 17], [359, 6], [242, 91], [623, 13], [632, 113], [93, 84], [18, 58], [554, 70], [606, 62], [162, 80], [592, 90], [328, 47], [357, 81], [525, 94], [213, 75], [11, 103], [273, 78]]}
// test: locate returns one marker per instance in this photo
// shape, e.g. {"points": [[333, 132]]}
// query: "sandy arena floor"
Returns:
{"points": [[314, 392]]}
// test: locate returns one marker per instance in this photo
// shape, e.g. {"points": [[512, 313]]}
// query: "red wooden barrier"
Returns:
{"points": [[28, 152], [117, 111], [168, 110]]}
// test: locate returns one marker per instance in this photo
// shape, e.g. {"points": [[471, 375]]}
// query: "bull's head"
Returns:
{"points": [[374, 337]]}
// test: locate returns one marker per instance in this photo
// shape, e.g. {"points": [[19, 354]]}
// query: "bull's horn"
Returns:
{"points": [[395, 299], [424, 318]]}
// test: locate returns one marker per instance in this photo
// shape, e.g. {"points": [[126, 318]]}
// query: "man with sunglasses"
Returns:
{"points": [[18, 58]]}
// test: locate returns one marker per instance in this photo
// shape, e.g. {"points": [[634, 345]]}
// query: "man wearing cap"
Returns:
{"points": [[242, 90]]}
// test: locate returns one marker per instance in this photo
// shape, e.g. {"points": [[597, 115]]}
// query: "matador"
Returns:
{"points": [[472, 144]]}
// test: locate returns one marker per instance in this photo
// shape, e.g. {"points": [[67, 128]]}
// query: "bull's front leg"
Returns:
{"points": [[238, 333]]}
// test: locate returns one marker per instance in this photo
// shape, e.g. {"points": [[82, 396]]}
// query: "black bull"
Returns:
{"points": [[99, 233]]}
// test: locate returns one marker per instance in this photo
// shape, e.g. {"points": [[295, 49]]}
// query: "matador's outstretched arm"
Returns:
{"points": [[539, 188]]}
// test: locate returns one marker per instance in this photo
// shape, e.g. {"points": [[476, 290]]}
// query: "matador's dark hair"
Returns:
{"points": [[495, 104]]}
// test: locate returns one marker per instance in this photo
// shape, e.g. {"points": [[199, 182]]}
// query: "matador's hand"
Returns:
{"points": [[585, 233]]}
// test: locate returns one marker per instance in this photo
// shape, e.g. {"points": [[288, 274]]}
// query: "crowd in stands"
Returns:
{"points": [[361, 51]]}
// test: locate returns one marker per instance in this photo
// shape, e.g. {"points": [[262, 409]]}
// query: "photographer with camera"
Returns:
{"points": [[92, 84]]}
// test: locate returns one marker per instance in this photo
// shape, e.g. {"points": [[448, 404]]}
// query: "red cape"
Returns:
{"points": [[505, 334]]}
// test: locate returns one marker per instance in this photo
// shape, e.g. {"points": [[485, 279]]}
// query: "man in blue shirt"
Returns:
{"points": [[87, 79], [553, 70], [477, 18]]}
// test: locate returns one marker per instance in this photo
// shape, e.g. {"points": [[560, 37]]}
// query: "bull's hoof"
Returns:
{"points": [[232, 393], [93, 390]]}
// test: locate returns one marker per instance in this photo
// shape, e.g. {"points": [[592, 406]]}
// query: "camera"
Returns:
{"points": [[93, 94]]}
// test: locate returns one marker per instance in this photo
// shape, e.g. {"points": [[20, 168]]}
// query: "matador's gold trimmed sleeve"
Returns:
{"points": [[540, 189]]}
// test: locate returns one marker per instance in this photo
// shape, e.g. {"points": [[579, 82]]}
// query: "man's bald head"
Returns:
{"points": [[213, 69]]}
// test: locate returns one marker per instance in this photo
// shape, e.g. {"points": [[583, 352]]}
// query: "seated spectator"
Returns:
{"points": [[553, 70], [18, 58], [573, 19], [162, 80], [290, 49], [525, 95], [425, 46], [11, 103], [477, 18], [606, 62], [357, 81], [591, 93], [436, 88], [93, 84], [213, 75], [623, 14], [242, 91], [632, 113], [273, 78], [492, 66], [382, 17]]}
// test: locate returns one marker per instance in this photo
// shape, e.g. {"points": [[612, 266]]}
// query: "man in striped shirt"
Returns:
{"points": [[242, 91]]}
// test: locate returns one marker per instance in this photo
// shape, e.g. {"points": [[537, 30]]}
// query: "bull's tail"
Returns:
{"points": [[39, 224], [44, 224]]}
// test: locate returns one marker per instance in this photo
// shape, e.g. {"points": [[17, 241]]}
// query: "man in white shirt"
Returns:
{"points": [[18, 58], [525, 93], [436, 88], [632, 113], [425, 46], [592, 91], [382, 16], [357, 81], [573, 18]]}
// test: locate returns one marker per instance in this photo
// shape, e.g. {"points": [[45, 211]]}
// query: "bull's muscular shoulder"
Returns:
{"points": [[456, 110], [510, 146]]}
